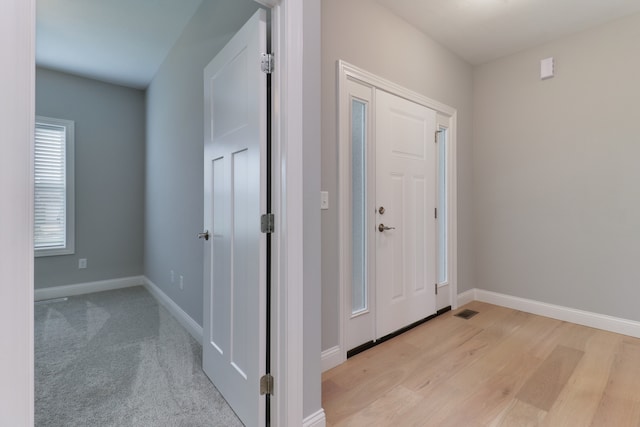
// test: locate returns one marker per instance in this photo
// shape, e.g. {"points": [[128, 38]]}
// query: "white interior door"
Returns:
{"points": [[234, 341], [405, 207]]}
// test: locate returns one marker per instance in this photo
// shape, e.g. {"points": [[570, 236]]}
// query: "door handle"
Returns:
{"points": [[204, 235], [382, 228]]}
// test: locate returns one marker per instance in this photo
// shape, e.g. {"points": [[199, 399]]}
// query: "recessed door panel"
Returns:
{"points": [[405, 246]]}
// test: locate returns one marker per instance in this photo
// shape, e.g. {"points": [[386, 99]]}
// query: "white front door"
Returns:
{"points": [[405, 227], [234, 330]]}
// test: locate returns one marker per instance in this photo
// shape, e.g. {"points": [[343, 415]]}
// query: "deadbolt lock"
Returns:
{"points": [[381, 210]]}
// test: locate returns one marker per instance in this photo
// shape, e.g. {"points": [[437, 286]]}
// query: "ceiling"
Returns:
{"points": [[126, 41], [483, 30], [119, 41]]}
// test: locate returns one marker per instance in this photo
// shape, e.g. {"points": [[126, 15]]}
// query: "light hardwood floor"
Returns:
{"points": [[500, 368]]}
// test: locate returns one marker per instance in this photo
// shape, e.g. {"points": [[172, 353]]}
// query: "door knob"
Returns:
{"points": [[204, 235], [382, 228]]}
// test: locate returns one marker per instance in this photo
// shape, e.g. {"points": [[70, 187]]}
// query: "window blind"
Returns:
{"points": [[50, 204]]}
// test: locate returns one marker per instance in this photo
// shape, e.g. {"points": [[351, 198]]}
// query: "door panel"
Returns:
{"points": [[406, 188], [393, 242], [234, 330]]}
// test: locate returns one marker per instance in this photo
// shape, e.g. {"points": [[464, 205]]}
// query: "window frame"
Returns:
{"points": [[69, 247]]}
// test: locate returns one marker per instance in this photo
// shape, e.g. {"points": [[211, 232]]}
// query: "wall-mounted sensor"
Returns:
{"points": [[546, 68]]}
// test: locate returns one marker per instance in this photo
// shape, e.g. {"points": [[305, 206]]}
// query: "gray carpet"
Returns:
{"points": [[117, 358]]}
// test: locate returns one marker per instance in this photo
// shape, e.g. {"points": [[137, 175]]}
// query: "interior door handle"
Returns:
{"points": [[382, 228], [204, 235]]}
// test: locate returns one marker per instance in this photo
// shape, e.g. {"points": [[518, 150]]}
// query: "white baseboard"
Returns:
{"points": [[466, 297], [567, 314], [181, 316], [315, 420], [87, 288], [331, 357]]}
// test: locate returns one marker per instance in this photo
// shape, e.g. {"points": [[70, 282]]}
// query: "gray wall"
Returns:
{"points": [[312, 269], [109, 175], [174, 150], [369, 36], [556, 172]]}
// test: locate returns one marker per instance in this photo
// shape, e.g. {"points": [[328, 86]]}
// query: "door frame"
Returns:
{"points": [[348, 72], [291, 115]]}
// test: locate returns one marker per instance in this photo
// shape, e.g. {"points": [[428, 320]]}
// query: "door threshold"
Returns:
{"points": [[366, 346]]}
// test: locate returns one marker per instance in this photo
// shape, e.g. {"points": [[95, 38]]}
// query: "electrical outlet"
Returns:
{"points": [[181, 282], [82, 263], [173, 276]]}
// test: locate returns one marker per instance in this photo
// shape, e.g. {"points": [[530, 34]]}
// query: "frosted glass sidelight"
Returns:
{"points": [[442, 206], [358, 207]]}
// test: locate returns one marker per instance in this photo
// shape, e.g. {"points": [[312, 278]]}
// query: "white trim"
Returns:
{"points": [[558, 312], [331, 357], [288, 325], [465, 298], [452, 219], [346, 72], [291, 226], [567, 314], [178, 313], [371, 79], [87, 288], [17, 77], [315, 420], [70, 193]]}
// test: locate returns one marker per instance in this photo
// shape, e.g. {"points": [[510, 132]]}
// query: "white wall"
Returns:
{"points": [[556, 172], [16, 207], [369, 36]]}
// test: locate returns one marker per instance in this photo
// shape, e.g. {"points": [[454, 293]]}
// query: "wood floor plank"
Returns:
{"points": [[388, 410], [579, 400], [547, 382], [370, 378], [520, 414], [620, 403], [488, 385], [433, 374], [483, 401]]}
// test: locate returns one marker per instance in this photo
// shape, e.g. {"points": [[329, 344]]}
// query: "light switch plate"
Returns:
{"points": [[324, 200], [546, 68]]}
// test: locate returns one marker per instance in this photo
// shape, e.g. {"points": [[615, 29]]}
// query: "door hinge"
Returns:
{"points": [[435, 137], [436, 288], [435, 212], [266, 384], [266, 64], [267, 223]]}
